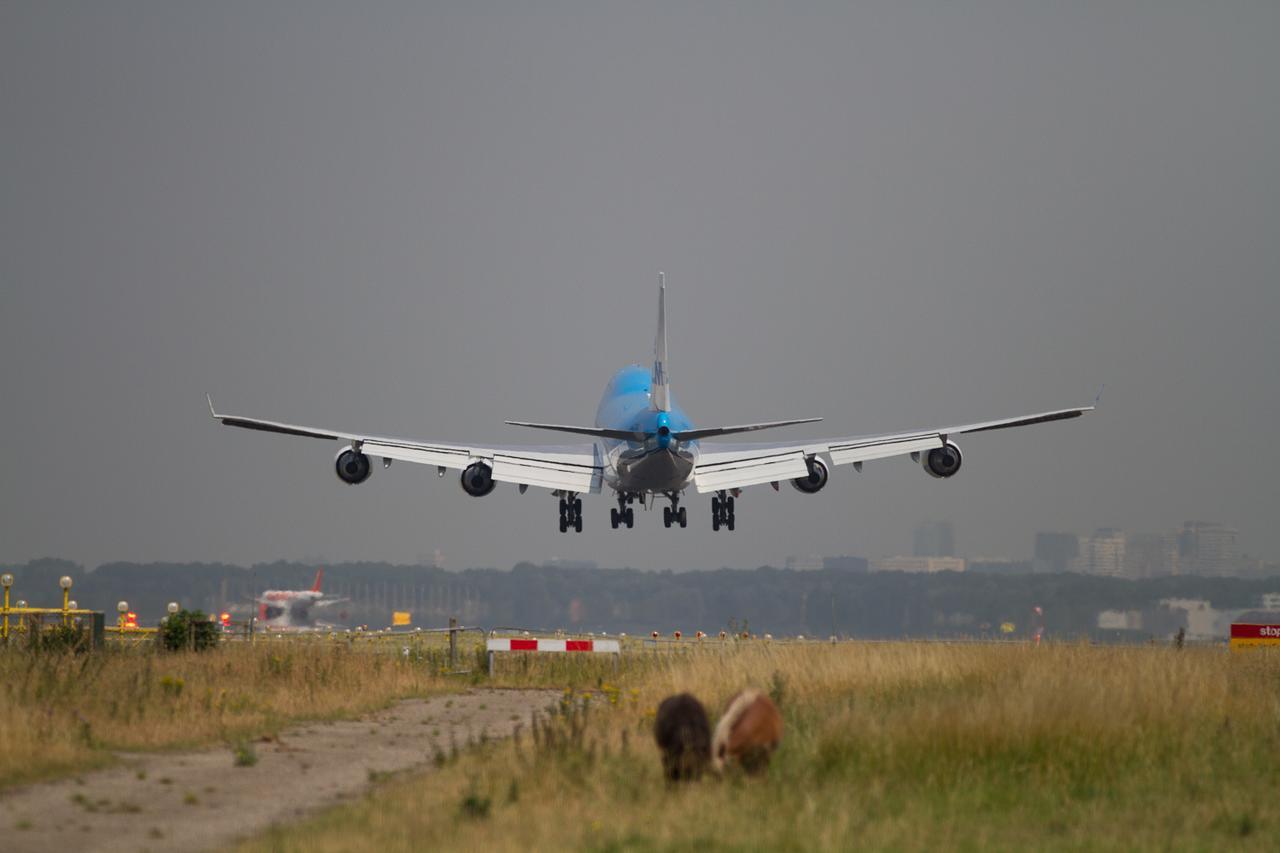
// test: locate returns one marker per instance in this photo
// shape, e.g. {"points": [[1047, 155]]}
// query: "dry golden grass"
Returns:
{"points": [[61, 713], [888, 746]]}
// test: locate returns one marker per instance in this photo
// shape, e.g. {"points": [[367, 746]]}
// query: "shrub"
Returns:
{"points": [[188, 629], [58, 638]]}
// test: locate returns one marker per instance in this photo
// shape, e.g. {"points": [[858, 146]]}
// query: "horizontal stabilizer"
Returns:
{"points": [[693, 434], [598, 432]]}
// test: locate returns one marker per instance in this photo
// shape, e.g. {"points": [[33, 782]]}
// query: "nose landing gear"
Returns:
{"points": [[721, 511], [571, 513], [623, 514], [674, 514]]}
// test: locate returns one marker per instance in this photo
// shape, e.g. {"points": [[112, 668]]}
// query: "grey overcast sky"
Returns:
{"points": [[423, 219]]}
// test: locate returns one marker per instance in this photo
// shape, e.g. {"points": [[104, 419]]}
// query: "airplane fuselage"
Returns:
{"points": [[658, 465]]}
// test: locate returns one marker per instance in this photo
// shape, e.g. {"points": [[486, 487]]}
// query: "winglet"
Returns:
{"points": [[209, 397]]}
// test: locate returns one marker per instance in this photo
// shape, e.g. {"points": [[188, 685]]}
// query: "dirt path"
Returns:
{"points": [[201, 800]]}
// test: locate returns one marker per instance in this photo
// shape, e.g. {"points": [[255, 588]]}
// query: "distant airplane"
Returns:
{"points": [[644, 447], [291, 608]]}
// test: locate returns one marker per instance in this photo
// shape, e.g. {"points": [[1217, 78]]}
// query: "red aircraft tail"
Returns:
{"points": [[315, 587]]}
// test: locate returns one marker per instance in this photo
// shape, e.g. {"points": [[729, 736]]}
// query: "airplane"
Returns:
{"points": [[291, 608], [644, 447]]}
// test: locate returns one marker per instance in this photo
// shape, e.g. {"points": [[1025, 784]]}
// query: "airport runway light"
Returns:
{"points": [[72, 605], [122, 607], [6, 580], [21, 603], [65, 583], [172, 607]]}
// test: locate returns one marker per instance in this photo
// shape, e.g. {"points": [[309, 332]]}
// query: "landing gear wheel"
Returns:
{"points": [[613, 518], [666, 516], [722, 511], [631, 518], [571, 514], [684, 516]]}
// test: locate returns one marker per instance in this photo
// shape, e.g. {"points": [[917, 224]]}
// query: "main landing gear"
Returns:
{"points": [[721, 511], [571, 512], [623, 514], [674, 514]]}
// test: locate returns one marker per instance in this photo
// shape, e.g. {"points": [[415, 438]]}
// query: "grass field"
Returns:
{"points": [[62, 713], [887, 746]]}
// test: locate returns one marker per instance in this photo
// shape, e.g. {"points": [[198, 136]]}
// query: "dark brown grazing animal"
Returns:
{"points": [[748, 732], [684, 736]]}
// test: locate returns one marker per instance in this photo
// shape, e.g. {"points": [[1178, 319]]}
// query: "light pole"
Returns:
{"points": [[65, 583], [6, 580], [172, 608]]}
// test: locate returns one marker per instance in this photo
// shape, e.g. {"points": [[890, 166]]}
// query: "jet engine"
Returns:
{"points": [[352, 466], [942, 462], [817, 477], [477, 479]]}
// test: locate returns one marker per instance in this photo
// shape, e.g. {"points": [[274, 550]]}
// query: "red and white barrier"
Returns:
{"points": [[526, 644], [532, 644]]}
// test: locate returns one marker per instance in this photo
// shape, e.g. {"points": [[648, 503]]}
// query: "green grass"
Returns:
{"points": [[895, 746]]}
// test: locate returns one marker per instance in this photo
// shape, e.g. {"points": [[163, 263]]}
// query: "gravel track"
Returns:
{"points": [[202, 800]]}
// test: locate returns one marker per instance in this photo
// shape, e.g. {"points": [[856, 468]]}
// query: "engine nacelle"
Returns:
{"points": [[942, 462], [352, 466], [477, 479], [817, 477]]}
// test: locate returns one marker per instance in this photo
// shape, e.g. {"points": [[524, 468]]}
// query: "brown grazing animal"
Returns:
{"points": [[748, 732], [684, 736]]}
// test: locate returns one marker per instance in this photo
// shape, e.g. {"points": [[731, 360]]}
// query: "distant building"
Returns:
{"points": [[560, 563], [1150, 555], [1120, 620], [1203, 621], [934, 539], [1103, 553], [845, 564], [1055, 552], [805, 562], [1207, 548], [998, 566], [918, 564]]}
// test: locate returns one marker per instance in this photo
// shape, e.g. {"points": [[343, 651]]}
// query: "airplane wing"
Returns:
{"points": [[573, 468], [733, 466]]}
